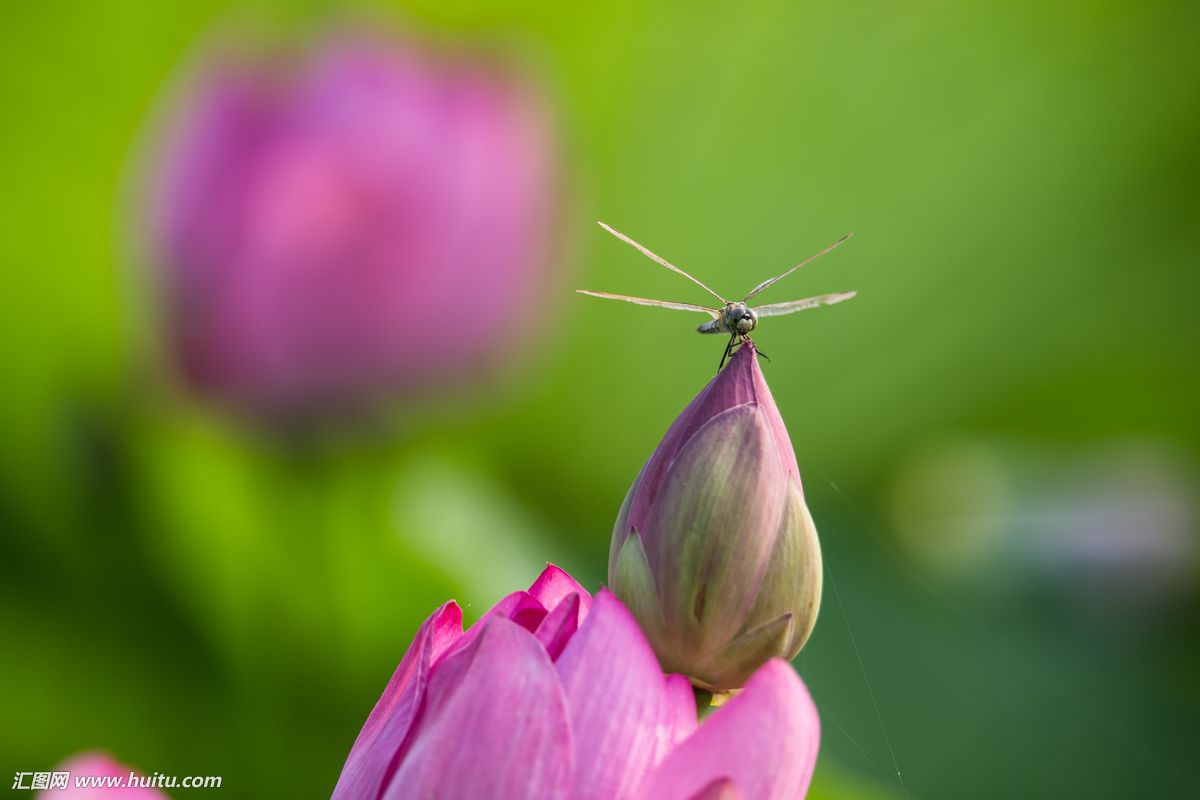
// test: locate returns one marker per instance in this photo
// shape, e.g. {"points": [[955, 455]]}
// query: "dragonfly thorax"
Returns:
{"points": [[738, 318]]}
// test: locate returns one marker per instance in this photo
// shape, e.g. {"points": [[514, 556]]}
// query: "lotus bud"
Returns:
{"points": [[714, 550], [368, 221]]}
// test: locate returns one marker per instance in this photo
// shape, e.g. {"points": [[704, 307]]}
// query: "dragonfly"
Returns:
{"points": [[736, 318]]}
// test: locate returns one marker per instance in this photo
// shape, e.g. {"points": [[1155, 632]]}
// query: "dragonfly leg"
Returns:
{"points": [[728, 347]]}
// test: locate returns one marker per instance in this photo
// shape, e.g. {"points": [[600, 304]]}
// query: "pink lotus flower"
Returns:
{"points": [[99, 765], [555, 695], [373, 220], [714, 550]]}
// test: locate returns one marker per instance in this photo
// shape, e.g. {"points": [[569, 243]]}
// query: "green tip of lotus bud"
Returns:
{"points": [[714, 550]]}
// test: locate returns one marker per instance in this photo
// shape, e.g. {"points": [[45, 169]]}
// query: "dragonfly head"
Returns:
{"points": [[740, 319]]}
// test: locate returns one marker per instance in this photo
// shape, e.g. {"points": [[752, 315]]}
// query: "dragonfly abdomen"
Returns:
{"points": [[713, 326]]}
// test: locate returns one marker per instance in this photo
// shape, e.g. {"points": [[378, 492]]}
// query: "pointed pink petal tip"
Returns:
{"points": [[369, 764], [740, 383], [559, 626], [765, 740], [553, 586], [494, 725], [747, 380]]}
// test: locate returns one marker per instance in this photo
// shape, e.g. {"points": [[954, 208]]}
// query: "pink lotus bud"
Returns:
{"points": [[714, 550], [372, 220], [552, 695]]}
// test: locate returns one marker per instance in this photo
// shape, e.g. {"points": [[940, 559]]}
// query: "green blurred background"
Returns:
{"points": [[998, 437]]}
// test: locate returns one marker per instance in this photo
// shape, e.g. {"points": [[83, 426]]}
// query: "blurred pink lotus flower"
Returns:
{"points": [[714, 550], [555, 695], [374, 220], [98, 765]]}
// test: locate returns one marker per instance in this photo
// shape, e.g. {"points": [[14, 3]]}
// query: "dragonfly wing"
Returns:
{"points": [[779, 309], [659, 259], [643, 301], [772, 281]]}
